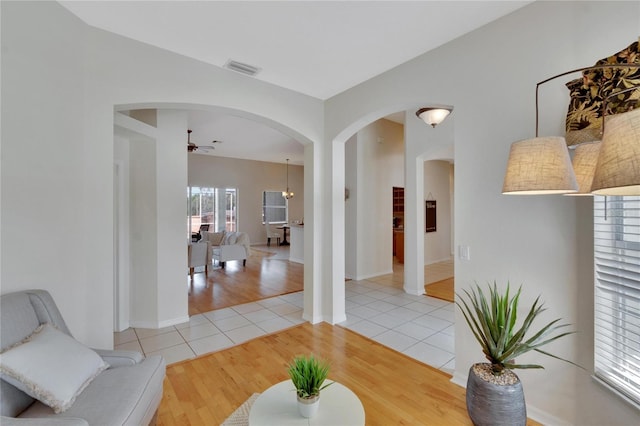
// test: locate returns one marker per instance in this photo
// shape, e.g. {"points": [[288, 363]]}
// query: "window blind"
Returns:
{"points": [[274, 207], [617, 293]]}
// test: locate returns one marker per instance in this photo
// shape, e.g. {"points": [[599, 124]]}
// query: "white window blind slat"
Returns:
{"points": [[617, 293]]}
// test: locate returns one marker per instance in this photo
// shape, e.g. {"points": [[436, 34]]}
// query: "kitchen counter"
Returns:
{"points": [[398, 244], [296, 239]]}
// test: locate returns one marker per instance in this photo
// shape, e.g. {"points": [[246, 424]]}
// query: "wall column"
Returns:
{"points": [[413, 208], [172, 233]]}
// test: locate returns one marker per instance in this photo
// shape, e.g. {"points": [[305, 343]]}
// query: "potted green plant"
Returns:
{"points": [[308, 375], [494, 392]]}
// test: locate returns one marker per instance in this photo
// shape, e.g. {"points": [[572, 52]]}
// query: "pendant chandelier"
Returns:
{"points": [[542, 165], [287, 194]]}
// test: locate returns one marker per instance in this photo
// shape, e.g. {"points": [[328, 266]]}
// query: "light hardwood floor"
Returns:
{"points": [[268, 273], [393, 388], [443, 289]]}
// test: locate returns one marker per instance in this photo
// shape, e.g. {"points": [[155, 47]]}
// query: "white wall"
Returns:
{"points": [[55, 232], [171, 181], [374, 164], [542, 242], [437, 245], [250, 178], [351, 208], [122, 233], [144, 236], [379, 167], [61, 81]]}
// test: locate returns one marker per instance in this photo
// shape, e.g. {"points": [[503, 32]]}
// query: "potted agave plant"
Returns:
{"points": [[308, 375], [494, 392]]}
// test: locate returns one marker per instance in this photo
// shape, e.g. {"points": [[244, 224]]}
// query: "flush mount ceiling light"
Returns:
{"points": [[535, 166], [433, 116]]}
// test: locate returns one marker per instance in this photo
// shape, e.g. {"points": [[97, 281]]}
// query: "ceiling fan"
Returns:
{"points": [[191, 147]]}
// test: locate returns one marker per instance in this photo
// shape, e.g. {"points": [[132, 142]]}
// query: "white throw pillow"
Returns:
{"points": [[51, 366]]}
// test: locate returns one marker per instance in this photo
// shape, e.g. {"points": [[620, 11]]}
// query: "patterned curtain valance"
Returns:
{"points": [[584, 118]]}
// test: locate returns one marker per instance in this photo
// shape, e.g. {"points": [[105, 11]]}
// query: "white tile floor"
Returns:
{"points": [[418, 326]]}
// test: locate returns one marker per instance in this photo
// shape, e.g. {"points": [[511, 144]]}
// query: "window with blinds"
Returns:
{"points": [[617, 293], [274, 207]]}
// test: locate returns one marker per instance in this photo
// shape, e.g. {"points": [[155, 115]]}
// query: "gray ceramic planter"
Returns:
{"points": [[490, 404]]}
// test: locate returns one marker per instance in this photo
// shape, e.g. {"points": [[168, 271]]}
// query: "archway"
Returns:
{"points": [[169, 129], [416, 132]]}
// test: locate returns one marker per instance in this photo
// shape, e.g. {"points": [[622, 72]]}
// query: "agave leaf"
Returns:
{"points": [[488, 325], [492, 318], [489, 315], [536, 345], [481, 315], [514, 305], [473, 325], [533, 312], [510, 314], [549, 328], [522, 366], [560, 358]]}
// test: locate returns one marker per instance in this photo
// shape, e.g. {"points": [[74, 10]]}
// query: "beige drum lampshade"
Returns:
{"points": [[584, 162], [539, 166], [618, 169]]}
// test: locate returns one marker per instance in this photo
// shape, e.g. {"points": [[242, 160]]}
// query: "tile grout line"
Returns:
{"points": [[355, 290]]}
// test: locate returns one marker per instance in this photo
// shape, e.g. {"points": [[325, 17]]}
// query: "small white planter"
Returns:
{"points": [[308, 407]]}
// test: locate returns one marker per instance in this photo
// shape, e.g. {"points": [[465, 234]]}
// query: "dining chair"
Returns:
{"points": [[199, 254], [271, 234]]}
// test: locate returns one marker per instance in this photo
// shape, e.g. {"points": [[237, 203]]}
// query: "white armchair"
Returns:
{"points": [[271, 233], [234, 246], [199, 255]]}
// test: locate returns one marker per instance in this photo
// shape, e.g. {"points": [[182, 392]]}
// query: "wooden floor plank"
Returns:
{"points": [[394, 389], [443, 289], [263, 276]]}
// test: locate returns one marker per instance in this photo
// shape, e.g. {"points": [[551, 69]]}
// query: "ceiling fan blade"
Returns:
{"points": [[191, 147]]}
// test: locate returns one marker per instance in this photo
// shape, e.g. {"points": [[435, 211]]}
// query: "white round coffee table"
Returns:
{"points": [[278, 406]]}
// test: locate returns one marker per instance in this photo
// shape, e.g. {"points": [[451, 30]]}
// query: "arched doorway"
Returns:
{"points": [[157, 240]]}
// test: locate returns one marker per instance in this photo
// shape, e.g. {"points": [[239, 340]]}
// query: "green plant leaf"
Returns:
{"points": [[308, 375], [492, 318]]}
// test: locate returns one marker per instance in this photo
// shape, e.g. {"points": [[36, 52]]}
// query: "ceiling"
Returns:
{"points": [[318, 48]]}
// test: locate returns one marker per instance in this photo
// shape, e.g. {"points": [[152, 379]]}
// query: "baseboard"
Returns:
{"points": [[175, 321], [460, 379], [338, 320], [296, 260], [159, 324], [377, 274], [544, 418], [313, 319], [412, 291], [446, 259]]}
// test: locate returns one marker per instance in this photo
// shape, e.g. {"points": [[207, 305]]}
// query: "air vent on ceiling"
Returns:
{"points": [[242, 68]]}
